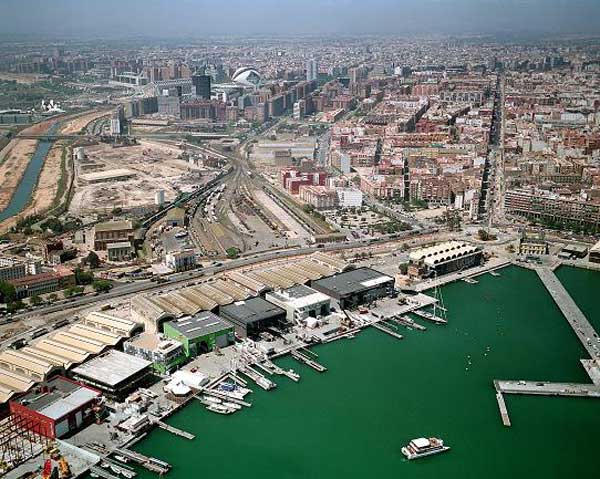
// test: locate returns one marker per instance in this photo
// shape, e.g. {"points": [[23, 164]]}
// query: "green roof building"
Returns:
{"points": [[200, 333]]}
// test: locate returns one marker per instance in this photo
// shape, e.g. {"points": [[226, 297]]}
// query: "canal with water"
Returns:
{"points": [[378, 393], [24, 191]]}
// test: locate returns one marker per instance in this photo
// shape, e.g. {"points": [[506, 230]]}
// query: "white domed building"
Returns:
{"points": [[246, 76]]}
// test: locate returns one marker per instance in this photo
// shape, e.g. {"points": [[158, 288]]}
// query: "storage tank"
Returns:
{"points": [[159, 197]]}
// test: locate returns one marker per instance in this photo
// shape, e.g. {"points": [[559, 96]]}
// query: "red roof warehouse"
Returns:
{"points": [[56, 407]]}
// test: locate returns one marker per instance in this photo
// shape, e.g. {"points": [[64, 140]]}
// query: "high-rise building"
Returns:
{"points": [[201, 86], [312, 70]]}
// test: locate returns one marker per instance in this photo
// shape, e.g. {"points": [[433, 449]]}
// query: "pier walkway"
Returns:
{"points": [[583, 329], [544, 388], [175, 430], [503, 409]]}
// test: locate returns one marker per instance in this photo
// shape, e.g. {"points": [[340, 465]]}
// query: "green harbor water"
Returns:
{"points": [[379, 392]]}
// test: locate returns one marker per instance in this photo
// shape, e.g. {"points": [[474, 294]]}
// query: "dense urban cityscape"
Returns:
{"points": [[192, 230]]}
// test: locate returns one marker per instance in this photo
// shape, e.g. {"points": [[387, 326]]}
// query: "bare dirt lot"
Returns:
{"points": [[17, 156], [155, 166]]}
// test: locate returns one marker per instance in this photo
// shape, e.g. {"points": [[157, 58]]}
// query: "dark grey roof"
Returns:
{"points": [[251, 310], [353, 281], [199, 325]]}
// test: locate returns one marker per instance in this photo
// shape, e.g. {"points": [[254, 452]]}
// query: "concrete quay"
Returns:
{"points": [[543, 388], [491, 265], [583, 329]]}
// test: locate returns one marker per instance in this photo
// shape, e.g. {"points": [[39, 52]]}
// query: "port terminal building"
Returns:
{"points": [[444, 258], [355, 287], [253, 316]]}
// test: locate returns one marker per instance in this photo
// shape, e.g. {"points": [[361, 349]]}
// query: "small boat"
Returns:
{"points": [[422, 447], [220, 409], [128, 474], [94, 475], [232, 405], [122, 459]]}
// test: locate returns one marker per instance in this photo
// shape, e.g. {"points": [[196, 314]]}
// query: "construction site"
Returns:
{"points": [[132, 177]]}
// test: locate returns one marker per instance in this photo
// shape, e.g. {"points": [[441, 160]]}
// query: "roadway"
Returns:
{"points": [[69, 307]]}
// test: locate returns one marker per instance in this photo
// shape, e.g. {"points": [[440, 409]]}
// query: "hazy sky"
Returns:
{"points": [[199, 18]]}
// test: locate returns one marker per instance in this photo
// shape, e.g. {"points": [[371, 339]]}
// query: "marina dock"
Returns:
{"points": [[103, 473], [503, 409], [309, 362], [258, 378], [583, 329], [386, 329], [225, 397], [409, 323], [150, 463], [175, 430]]}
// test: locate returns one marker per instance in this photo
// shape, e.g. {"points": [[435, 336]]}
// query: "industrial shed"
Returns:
{"points": [[115, 373], [356, 287], [253, 316]]}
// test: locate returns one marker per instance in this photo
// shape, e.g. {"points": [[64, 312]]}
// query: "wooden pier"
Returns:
{"points": [[387, 330], [309, 362]]}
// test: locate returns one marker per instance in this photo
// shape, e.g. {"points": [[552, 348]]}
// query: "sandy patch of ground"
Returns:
{"points": [[47, 186], [13, 167], [156, 167], [25, 78]]}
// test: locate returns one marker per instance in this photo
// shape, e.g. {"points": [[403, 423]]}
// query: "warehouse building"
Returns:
{"points": [[57, 408], [200, 333], [355, 287], [165, 354], [112, 232], [253, 316], [115, 374], [301, 302]]}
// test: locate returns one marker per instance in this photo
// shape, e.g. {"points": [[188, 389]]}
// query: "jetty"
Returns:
{"points": [[503, 409], [103, 473], [408, 322], [582, 327], [258, 378], [224, 397], [308, 361], [150, 463], [544, 388], [174, 430], [387, 329]]}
